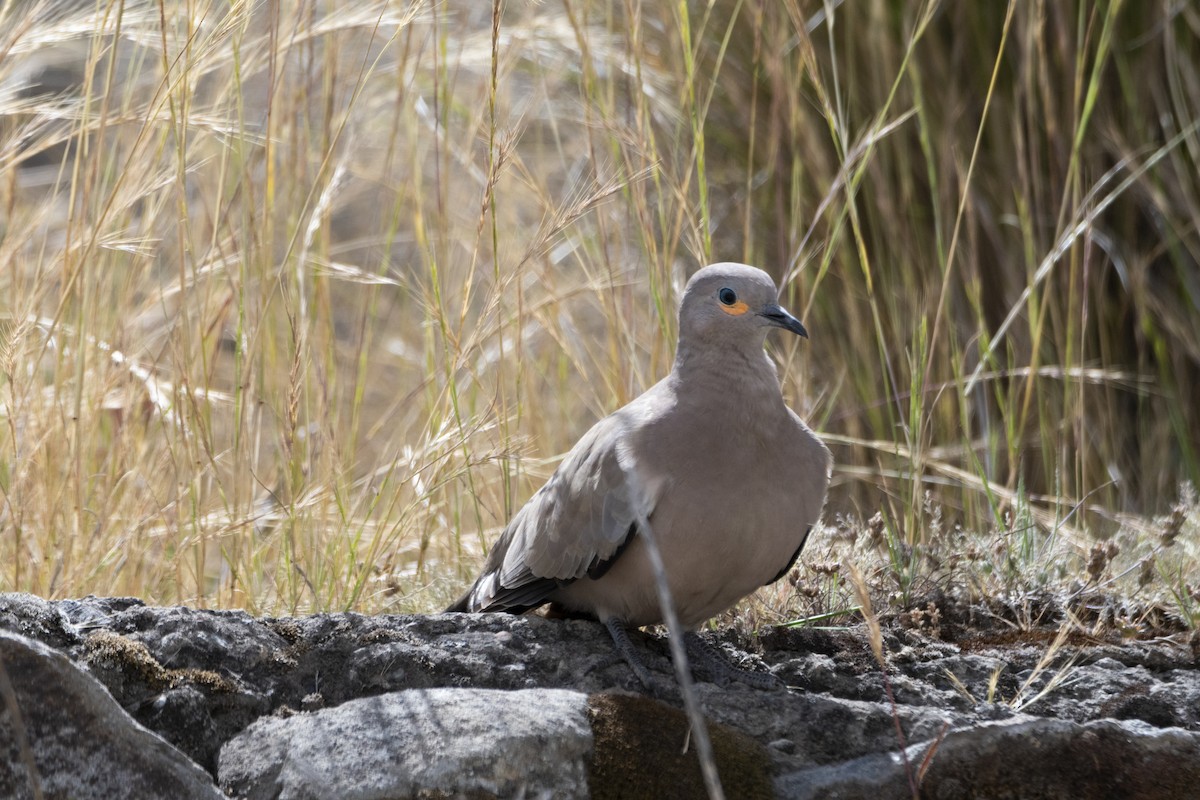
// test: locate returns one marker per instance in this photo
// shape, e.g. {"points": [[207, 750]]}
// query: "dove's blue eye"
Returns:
{"points": [[727, 296]]}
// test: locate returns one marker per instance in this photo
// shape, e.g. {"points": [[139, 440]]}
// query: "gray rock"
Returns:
{"points": [[822, 729], [38, 619], [417, 743], [63, 735], [486, 743], [200, 678], [1048, 759]]}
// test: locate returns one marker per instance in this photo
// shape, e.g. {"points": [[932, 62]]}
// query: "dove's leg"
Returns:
{"points": [[620, 637], [718, 667], [704, 655]]}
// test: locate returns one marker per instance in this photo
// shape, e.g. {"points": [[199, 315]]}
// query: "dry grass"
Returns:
{"points": [[298, 303]]}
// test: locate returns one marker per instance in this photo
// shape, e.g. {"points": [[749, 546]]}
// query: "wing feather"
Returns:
{"points": [[580, 520]]}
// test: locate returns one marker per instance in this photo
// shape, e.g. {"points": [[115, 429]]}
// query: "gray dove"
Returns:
{"points": [[730, 480]]}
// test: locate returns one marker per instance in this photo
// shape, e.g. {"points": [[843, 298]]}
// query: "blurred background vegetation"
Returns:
{"points": [[299, 301]]}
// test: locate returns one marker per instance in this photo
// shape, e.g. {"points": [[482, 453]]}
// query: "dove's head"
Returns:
{"points": [[732, 305]]}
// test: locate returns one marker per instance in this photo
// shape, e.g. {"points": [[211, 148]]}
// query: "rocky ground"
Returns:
{"points": [[988, 703]]}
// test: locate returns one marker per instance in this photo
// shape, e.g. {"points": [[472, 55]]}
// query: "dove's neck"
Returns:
{"points": [[728, 370]]}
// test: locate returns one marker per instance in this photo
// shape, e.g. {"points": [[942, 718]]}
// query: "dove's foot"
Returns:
{"points": [[625, 647], [717, 667]]}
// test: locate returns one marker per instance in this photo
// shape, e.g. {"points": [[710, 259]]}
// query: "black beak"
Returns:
{"points": [[780, 318]]}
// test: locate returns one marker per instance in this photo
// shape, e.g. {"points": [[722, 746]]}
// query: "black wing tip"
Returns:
{"points": [[510, 600], [460, 606]]}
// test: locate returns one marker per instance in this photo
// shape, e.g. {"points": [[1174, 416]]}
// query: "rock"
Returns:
{"points": [[38, 619], [486, 743], [201, 679], [1025, 757], [63, 735], [418, 743], [642, 750], [822, 729]]}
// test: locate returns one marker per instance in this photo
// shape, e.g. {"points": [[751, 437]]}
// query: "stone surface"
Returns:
{"points": [[63, 736], [417, 743], [202, 678], [1036, 759], [642, 750]]}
